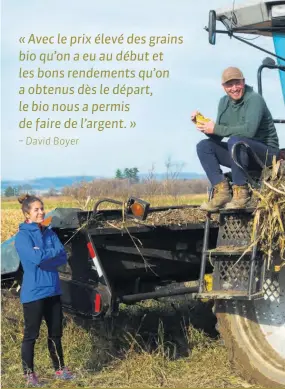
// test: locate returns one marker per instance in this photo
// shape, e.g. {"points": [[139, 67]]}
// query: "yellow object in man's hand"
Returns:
{"points": [[200, 119]]}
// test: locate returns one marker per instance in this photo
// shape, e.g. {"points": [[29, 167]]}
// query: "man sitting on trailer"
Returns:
{"points": [[242, 116]]}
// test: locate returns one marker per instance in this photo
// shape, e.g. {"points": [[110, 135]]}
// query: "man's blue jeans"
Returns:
{"points": [[214, 153]]}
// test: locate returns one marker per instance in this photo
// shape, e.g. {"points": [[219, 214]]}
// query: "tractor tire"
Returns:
{"points": [[254, 334]]}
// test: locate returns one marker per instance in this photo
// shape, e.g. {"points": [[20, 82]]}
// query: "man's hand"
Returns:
{"points": [[193, 116], [206, 128]]}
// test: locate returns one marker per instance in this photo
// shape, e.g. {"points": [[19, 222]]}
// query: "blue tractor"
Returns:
{"points": [[254, 330]]}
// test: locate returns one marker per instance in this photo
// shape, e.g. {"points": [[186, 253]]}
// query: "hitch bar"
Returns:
{"points": [[163, 292]]}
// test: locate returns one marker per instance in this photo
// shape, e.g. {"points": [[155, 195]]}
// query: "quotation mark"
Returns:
{"points": [[133, 124], [22, 39]]}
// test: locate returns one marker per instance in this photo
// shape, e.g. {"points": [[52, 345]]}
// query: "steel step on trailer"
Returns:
{"points": [[234, 251], [238, 266], [228, 295]]}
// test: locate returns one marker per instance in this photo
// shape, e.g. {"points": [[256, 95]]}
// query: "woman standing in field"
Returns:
{"points": [[40, 252]]}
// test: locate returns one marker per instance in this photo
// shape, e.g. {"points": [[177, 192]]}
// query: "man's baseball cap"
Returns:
{"points": [[231, 73]]}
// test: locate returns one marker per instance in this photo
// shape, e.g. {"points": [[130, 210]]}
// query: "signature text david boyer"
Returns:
{"points": [[51, 141]]}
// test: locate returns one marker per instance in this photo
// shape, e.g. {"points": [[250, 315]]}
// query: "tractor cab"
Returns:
{"points": [[258, 18]]}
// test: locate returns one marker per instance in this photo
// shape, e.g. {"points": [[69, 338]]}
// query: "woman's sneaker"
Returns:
{"points": [[64, 374], [32, 380]]}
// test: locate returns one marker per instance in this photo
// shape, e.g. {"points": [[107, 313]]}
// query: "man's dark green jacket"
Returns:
{"points": [[248, 117]]}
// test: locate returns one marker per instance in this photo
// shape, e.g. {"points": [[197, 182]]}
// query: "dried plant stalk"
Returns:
{"points": [[270, 213]]}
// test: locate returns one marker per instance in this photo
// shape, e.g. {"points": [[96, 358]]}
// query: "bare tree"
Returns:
{"points": [[173, 170], [151, 186], [80, 192]]}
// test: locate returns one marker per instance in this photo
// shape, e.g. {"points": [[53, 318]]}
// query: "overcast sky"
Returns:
{"points": [[163, 126]]}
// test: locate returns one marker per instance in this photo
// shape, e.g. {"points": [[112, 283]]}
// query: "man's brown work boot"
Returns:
{"points": [[241, 197], [221, 196]]}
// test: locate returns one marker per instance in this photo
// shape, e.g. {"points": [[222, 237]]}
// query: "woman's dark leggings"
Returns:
{"points": [[51, 310]]}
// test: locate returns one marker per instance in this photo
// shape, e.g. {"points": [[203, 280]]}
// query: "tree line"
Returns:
{"points": [[13, 191], [128, 173]]}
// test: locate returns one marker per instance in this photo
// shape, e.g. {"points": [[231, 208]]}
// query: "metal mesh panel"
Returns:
{"points": [[233, 275], [271, 290], [235, 230]]}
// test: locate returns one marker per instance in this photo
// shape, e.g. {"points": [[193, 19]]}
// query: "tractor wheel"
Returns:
{"points": [[254, 334]]}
